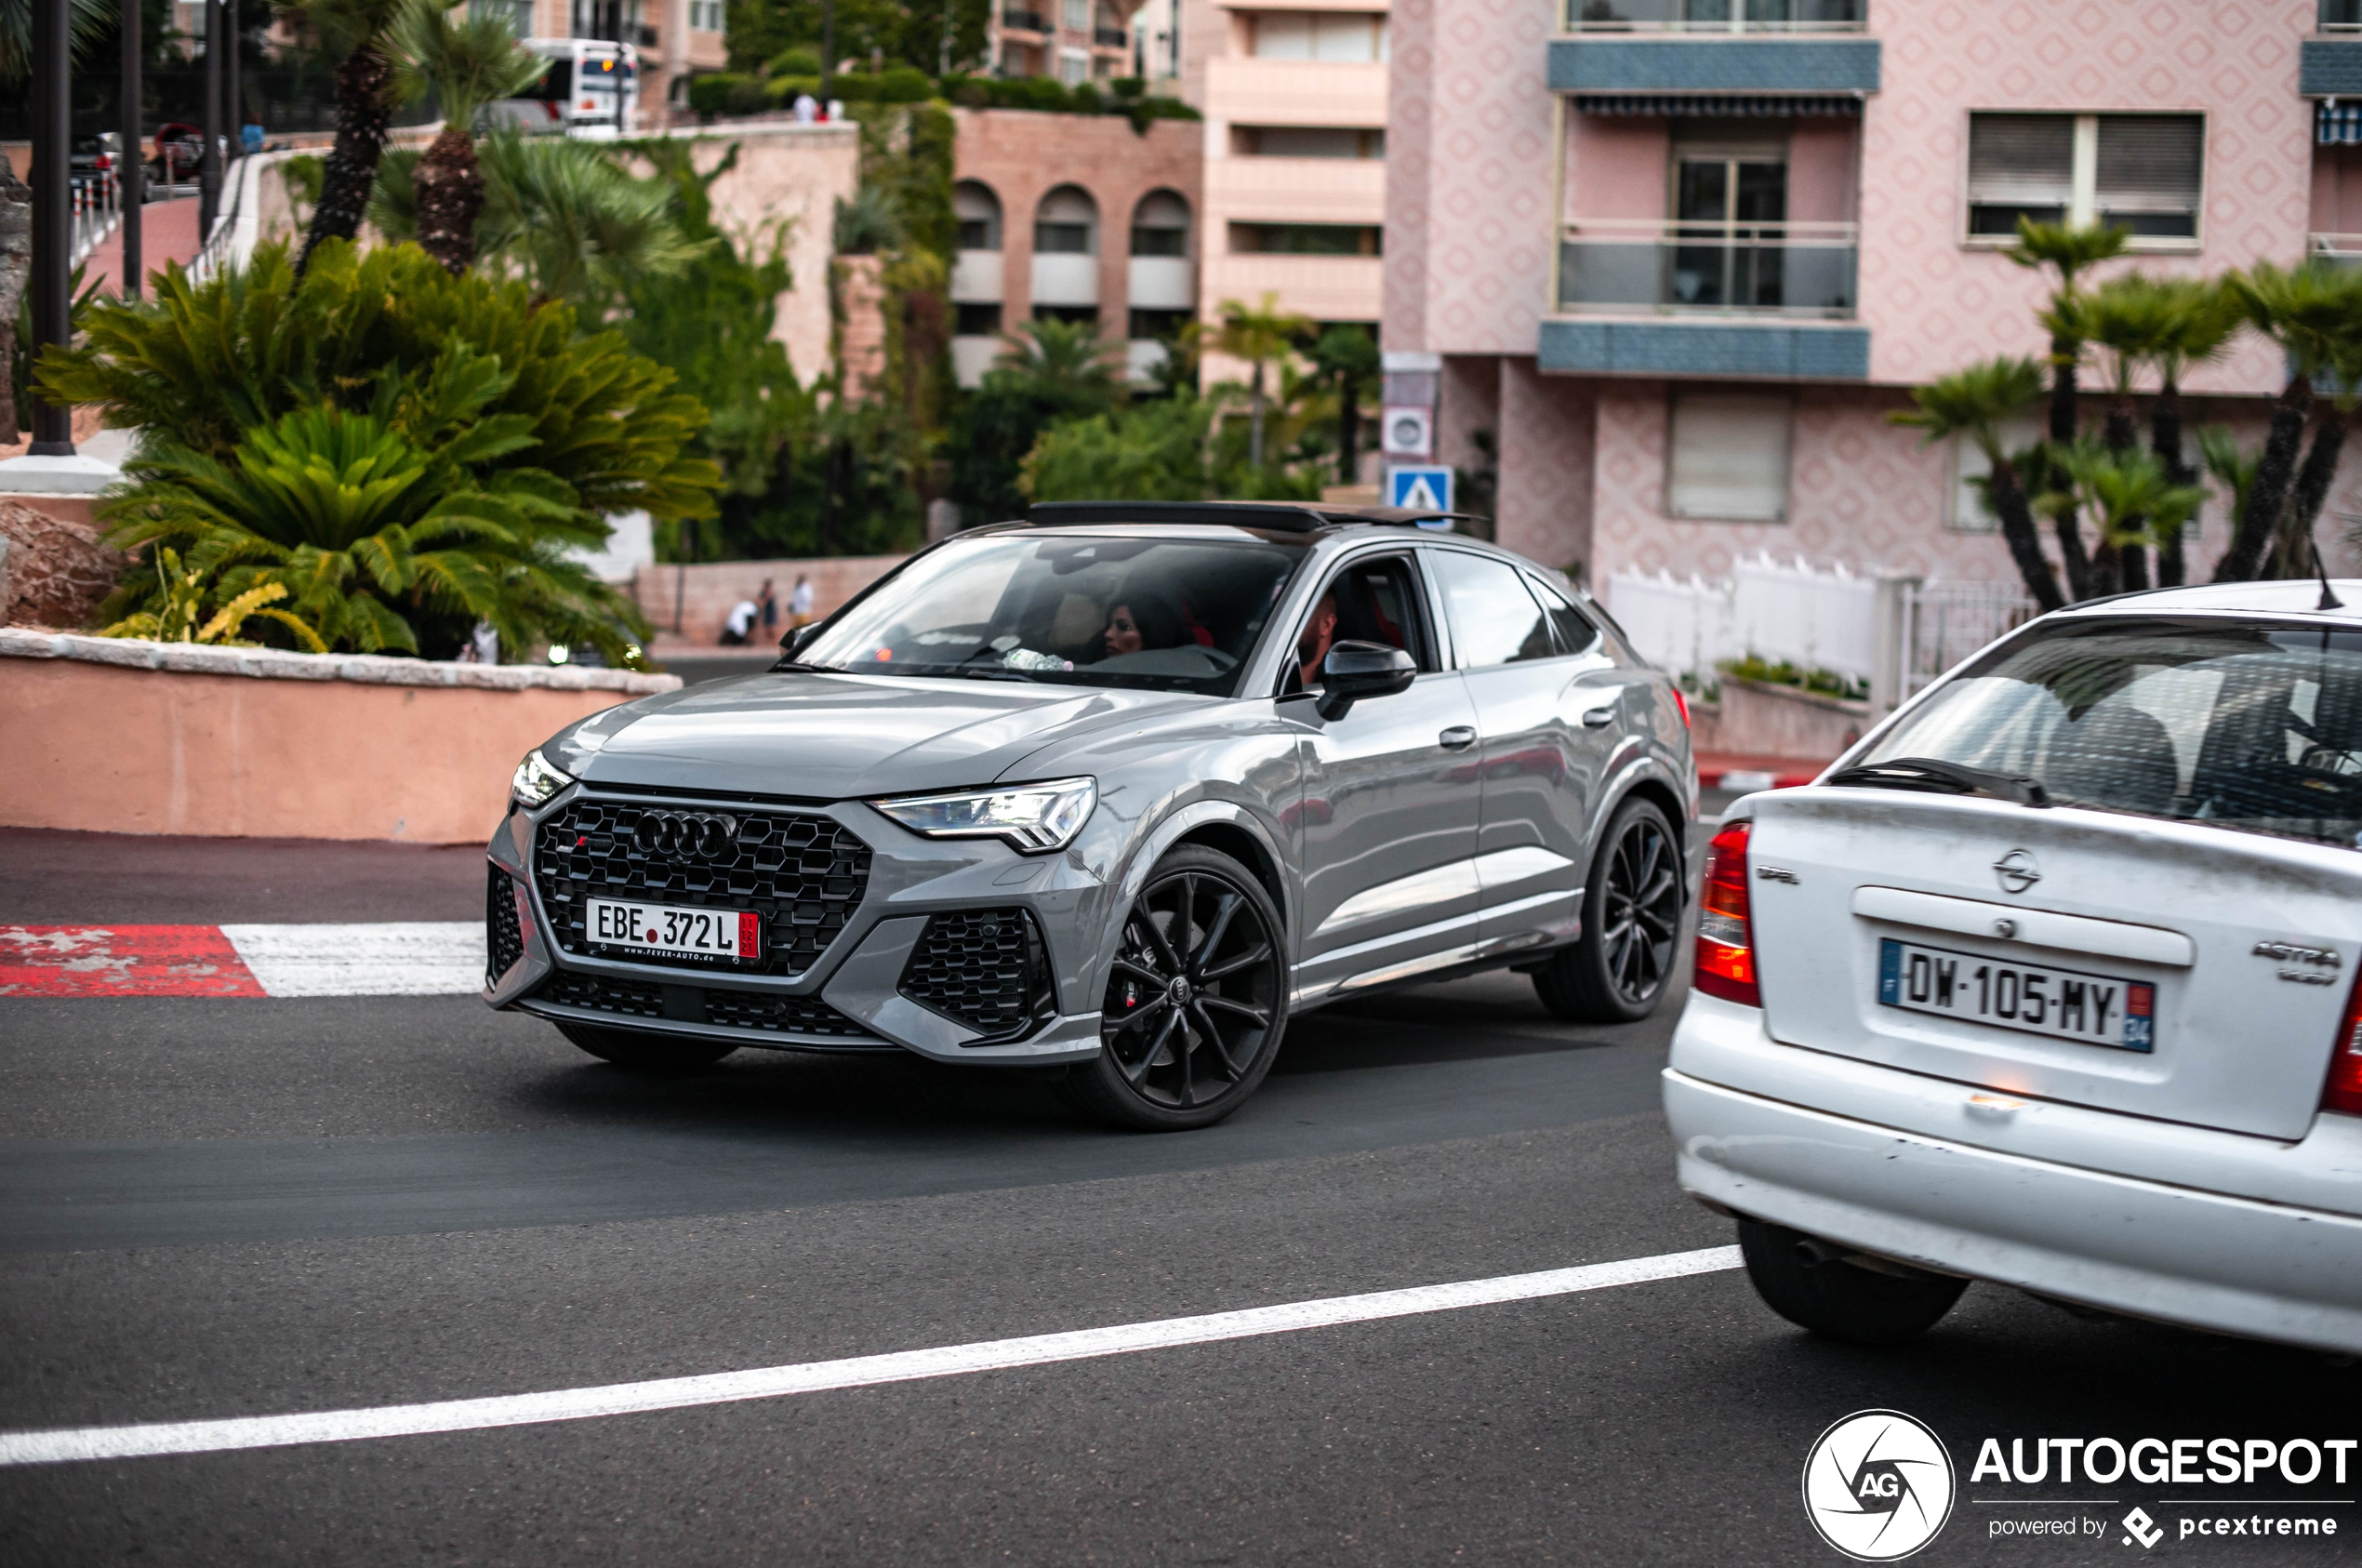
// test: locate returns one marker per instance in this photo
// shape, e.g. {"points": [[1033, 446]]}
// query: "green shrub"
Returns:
{"points": [[586, 428], [904, 84], [796, 62], [726, 92], [782, 91]]}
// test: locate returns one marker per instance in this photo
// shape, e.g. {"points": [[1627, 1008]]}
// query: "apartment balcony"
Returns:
{"points": [[976, 277], [2330, 64], [1325, 287], [1757, 299], [1015, 20], [1746, 48], [1112, 38], [1296, 92], [1296, 190]]}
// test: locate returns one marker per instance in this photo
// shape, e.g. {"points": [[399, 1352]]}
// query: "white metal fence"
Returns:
{"points": [[1944, 622], [1892, 633]]}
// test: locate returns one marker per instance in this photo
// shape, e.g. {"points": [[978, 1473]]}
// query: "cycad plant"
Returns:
{"points": [[1973, 403], [365, 524], [470, 62], [177, 613]]}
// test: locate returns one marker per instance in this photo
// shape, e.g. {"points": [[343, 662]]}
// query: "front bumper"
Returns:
{"points": [[2062, 1199], [852, 998]]}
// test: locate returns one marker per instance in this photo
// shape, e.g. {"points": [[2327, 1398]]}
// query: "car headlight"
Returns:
{"points": [[536, 780], [1034, 817]]}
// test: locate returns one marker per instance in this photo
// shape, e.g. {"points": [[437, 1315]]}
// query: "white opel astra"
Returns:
{"points": [[2052, 982]]}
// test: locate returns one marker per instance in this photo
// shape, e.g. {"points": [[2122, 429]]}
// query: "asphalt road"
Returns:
{"points": [[216, 1208]]}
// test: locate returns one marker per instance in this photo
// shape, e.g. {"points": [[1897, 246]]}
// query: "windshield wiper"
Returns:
{"points": [[1938, 776], [808, 669], [995, 674]]}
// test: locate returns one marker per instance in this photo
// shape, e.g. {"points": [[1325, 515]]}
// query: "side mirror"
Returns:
{"points": [[1355, 670], [795, 640]]}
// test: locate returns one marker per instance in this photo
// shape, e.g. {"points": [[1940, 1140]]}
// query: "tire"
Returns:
{"points": [[1839, 1300], [646, 1052], [1174, 1057], [1631, 925]]}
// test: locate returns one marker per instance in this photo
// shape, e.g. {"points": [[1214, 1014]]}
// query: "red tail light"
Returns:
{"points": [[2344, 1090], [1681, 700], [1726, 941]]}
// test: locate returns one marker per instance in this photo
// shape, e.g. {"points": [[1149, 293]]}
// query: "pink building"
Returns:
{"points": [[1680, 258]]}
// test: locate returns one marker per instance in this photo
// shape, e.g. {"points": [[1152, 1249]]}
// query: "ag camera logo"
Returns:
{"points": [[1879, 1485]]}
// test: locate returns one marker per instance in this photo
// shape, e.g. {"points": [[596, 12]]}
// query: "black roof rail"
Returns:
{"points": [[1285, 517]]}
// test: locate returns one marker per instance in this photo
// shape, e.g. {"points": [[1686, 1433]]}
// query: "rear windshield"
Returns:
{"points": [[1172, 615], [2256, 726]]}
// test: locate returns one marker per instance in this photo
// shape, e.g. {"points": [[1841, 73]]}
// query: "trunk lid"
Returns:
{"points": [[2249, 944]]}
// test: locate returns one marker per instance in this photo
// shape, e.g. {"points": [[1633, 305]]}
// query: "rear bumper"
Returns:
{"points": [[1881, 1177]]}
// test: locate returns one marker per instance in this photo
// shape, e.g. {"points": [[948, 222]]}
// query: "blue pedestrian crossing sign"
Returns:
{"points": [[1419, 488]]}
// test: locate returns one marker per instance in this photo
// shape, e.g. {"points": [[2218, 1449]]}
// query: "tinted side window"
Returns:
{"points": [[1494, 620], [1368, 602], [1575, 633]]}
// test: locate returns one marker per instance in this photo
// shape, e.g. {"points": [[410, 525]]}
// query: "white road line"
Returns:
{"points": [[398, 958], [674, 1393]]}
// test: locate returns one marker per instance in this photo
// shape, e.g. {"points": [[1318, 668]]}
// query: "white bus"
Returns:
{"points": [[593, 90]]}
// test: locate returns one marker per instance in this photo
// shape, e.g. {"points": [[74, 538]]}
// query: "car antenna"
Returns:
{"points": [[2328, 600]]}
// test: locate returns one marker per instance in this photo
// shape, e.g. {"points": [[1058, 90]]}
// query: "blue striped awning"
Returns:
{"points": [[2338, 125], [1749, 106]]}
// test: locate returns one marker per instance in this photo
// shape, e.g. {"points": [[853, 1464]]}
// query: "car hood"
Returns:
{"points": [[826, 737]]}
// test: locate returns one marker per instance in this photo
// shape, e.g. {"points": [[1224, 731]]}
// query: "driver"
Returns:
{"points": [[1140, 619], [1312, 647]]}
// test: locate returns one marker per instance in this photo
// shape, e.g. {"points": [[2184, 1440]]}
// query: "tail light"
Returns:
{"points": [[1726, 941], [2344, 1090], [1681, 700]]}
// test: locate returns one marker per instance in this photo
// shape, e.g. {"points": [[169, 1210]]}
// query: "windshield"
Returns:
{"points": [[1169, 615], [2250, 726]]}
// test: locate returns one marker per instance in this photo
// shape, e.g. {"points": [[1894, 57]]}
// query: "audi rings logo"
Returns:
{"points": [[676, 833], [1878, 1485]]}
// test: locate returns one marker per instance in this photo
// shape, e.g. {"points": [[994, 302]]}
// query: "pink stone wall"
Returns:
{"points": [[1543, 509]]}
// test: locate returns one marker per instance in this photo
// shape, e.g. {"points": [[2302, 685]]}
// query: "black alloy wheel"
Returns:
{"points": [[1631, 925], [1196, 998]]}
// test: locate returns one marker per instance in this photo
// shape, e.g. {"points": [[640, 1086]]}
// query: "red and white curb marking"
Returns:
{"points": [[83, 1443], [397, 958]]}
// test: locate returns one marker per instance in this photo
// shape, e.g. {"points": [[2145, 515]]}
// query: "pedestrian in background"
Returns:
{"points": [[739, 622], [770, 603], [807, 109], [799, 601]]}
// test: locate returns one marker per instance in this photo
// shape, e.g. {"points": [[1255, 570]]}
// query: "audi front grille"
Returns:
{"points": [[802, 874]]}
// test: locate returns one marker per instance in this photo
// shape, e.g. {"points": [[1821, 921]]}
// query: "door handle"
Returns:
{"points": [[1459, 737], [1599, 718]]}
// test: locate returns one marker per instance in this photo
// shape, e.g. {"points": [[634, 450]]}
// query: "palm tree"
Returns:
{"points": [[1258, 337], [2130, 501], [469, 63], [2312, 313], [2068, 252], [86, 23], [1346, 357], [354, 32], [2202, 316], [1066, 361], [1973, 403]]}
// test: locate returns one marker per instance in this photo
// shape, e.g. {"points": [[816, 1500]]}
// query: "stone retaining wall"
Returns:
{"points": [[132, 737]]}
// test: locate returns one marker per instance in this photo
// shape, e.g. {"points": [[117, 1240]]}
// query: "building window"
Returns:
{"points": [[1074, 67], [1075, 15], [979, 213], [1160, 326], [1306, 239], [976, 321], [1339, 38], [2341, 16], [1161, 225], [2138, 172], [1728, 460], [1084, 315], [705, 16], [1063, 225], [1306, 141]]}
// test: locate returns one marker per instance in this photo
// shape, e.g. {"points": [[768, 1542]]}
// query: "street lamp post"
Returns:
{"points": [[132, 178], [209, 161], [52, 216], [237, 104]]}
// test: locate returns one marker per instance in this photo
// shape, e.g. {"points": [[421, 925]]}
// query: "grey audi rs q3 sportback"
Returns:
{"points": [[1113, 791]]}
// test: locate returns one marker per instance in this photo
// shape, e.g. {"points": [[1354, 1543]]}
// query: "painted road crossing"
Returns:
{"points": [[677, 1393], [387, 958]]}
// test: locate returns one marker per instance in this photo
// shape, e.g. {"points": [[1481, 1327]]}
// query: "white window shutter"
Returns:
{"points": [[2021, 159], [1730, 458]]}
